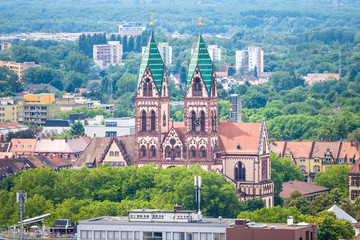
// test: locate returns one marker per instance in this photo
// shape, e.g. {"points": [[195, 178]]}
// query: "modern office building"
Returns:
{"points": [[131, 28], [248, 59], [235, 108], [113, 127], [108, 54]]}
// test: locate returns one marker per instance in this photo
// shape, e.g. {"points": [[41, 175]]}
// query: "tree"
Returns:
{"points": [[354, 135], [77, 62], [77, 129], [127, 83], [231, 71], [335, 176], [254, 204], [299, 201], [327, 229], [9, 81]]}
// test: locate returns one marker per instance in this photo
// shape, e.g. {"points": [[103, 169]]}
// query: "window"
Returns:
{"points": [[202, 121], [29, 146], [145, 90], [113, 235], [303, 169], [178, 152], [354, 181], [193, 119], [202, 152], [197, 91], [110, 134], [179, 236], [143, 121], [111, 153], [21, 146], [164, 120], [316, 169], [354, 194], [316, 160], [152, 151], [240, 172], [122, 164], [150, 90], [193, 152], [153, 236], [143, 151], [341, 160], [351, 160], [110, 124], [168, 152], [152, 121], [126, 235], [15, 146], [116, 153]]}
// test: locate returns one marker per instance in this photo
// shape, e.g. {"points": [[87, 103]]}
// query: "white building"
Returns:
{"points": [[152, 224], [131, 28], [113, 127], [108, 54], [249, 59], [166, 52], [214, 52]]}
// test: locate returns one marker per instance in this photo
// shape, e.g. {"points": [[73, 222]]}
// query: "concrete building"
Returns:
{"points": [[8, 113], [37, 108], [166, 52], [113, 127], [55, 127], [18, 68], [214, 52], [247, 60], [131, 28], [178, 224], [235, 108], [5, 45], [108, 54]]}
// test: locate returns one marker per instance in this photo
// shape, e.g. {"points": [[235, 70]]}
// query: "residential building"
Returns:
{"points": [[354, 182], [108, 54], [214, 52], [31, 88], [117, 151], [18, 68], [235, 108], [312, 157], [6, 128], [113, 127], [37, 108], [8, 113], [309, 190], [181, 224], [131, 28], [312, 78], [5, 45], [67, 149], [166, 52], [250, 59]]}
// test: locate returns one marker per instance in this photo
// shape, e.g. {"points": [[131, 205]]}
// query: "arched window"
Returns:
{"points": [[143, 151], [177, 152], [193, 119], [150, 90], [202, 152], [152, 151], [239, 172], [145, 90], [152, 120], [197, 91], [215, 122], [164, 119], [168, 152], [212, 121], [202, 121], [143, 121], [193, 152]]}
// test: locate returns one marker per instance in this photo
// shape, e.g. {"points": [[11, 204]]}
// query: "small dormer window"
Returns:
{"points": [[29, 146], [15, 146], [22, 146]]}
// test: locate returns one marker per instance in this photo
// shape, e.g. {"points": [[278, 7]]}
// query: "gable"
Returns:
{"points": [[147, 78], [172, 135]]}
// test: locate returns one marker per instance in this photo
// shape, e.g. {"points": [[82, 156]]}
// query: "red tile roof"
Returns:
{"points": [[7, 125], [303, 187], [299, 149], [355, 169], [180, 130], [277, 147], [245, 135], [23, 145], [349, 150], [321, 147]]}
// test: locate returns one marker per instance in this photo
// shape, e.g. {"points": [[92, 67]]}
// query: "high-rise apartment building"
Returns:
{"points": [[166, 52], [249, 59], [214, 52], [37, 108], [235, 108], [131, 28], [108, 54], [18, 68]]}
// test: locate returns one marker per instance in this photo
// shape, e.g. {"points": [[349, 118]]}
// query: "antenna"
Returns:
{"points": [[197, 184]]}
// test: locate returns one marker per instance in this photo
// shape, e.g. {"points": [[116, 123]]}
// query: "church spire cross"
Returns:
{"points": [[151, 19], [200, 24]]}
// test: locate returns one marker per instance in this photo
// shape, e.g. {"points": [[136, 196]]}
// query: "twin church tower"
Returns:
{"points": [[240, 151], [196, 139]]}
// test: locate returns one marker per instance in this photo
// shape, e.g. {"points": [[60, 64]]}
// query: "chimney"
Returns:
{"points": [[177, 208], [2, 139], [52, 139], [6, 157], [290, 221], [352, 142], [300, 139]]}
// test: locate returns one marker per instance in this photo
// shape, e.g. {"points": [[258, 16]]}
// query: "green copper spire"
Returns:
{"points": [[153, 60], [201, 59]]}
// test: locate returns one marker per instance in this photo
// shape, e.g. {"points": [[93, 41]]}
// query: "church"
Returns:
{"points": [[239, 151]]}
